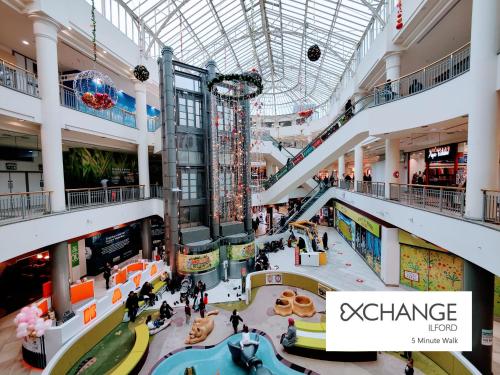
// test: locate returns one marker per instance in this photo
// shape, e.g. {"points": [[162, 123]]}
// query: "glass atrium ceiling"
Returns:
{"points": [[272, 36]]}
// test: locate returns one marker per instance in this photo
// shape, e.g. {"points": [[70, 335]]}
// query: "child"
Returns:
{"points": [[187, 311], [246, 339]]}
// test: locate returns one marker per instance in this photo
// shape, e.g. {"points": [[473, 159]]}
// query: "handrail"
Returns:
{"points": [[27, 193], [430, 186], [18, 79], [428, 65], [276, 143], [17, 67], [102, 188]]}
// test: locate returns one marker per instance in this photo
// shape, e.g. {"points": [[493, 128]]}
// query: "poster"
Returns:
{"points": [[114, 246], [192, 263], [274, 279], [346, 227], [241, 252], [75, 259]]}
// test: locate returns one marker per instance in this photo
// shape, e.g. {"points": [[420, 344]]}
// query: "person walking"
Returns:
{"points": [[187, 311], [132, 304], [235, 320], [409, 370], [280, 145], [325, 241], [107, 274], [201, 308]]}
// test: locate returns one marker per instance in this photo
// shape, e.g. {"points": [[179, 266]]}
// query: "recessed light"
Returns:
{"points": [[104, 51], [25, 42], [70, 28]]}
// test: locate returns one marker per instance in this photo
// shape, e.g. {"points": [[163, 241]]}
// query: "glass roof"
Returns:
{"points": [[272, 36]]}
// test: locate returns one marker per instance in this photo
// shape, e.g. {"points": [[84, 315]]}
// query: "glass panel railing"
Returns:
{"points": [[18, 79], [115, 114], [491, 199], [426, 78], [154, 123], [340, 121], [15, 206], [79, 198]]}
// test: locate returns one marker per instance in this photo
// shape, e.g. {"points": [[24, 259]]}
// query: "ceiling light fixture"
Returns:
{"points": [[104, 51], [25, 42]]}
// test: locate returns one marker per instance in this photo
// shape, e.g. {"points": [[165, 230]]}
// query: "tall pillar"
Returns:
{"points": [[45, 30], [247, 173], [482, 285], [393, 66], [61, 299], [358, 163], [169, 156], [214, 170], [141, 120], [391, 164], [482, 143], [146, 239], [341, 167]]}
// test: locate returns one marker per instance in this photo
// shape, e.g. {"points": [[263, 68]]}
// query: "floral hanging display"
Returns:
{"points": [[314, 53], [399, 15], [93, 88], [226, 82], [141, 73]]}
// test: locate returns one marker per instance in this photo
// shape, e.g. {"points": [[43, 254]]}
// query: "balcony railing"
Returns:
{"points": [[375, 189], [441, 71], [447, 200], [24, 205], [78, 198], [154, 122], [156, 191], [115, 114], [18, 79], [491, 201]]}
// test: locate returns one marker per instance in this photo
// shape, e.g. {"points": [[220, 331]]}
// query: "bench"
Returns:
{"points": [[311, 343], [302, 325], [133, 362], [159, 287]]}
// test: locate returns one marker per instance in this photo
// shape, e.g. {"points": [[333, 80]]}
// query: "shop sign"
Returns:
{"points": [[274, 279], [75, 258], [487, 337], [190, 263], [240, 252], [363, 221], [412, 276], [445, 152]]}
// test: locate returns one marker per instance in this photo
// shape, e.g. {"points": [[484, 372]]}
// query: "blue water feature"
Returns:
{"points": [[218, 358]]}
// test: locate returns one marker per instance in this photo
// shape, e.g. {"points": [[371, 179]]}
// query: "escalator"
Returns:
{"points": [[321, 152]]}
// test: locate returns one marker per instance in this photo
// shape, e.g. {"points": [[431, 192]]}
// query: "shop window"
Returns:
{"points": [[186, 83]]}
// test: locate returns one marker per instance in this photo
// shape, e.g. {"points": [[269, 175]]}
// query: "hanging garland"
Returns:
{"points": [[95, 89], [399, 15], [141, 73], [252, 78], [314, 53]]}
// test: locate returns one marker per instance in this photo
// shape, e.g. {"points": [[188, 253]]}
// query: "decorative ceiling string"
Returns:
{"points": [[92, 25]]}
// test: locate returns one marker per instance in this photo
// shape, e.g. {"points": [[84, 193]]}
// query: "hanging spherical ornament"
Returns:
{"points": [[314, 53], [141, 73], [95, 89]]}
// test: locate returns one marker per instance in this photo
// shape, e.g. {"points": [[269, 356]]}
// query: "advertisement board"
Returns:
{"points": [[241, 252], [192, 263], [366, 223]]}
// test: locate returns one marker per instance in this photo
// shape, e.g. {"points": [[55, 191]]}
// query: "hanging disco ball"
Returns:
{"points": [[314, 53], [95, 89], [141, 73]]}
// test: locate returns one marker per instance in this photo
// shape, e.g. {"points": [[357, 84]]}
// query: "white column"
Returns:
{"points": [[45, 30], [358, 163], [393, 65], [141, 120], [389, 258], [482, 158], [391, 163], [341, 167], [270, 170]]}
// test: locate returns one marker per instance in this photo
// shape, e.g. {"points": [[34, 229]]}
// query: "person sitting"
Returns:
{"points": [[301, 244], [153, 324], [246, 339], [166, 310], [289, 338], [147, 291]]}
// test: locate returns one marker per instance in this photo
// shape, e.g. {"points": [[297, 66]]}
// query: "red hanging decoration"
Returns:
{"points": [[306, 113], [395, 174], [399, 15]]}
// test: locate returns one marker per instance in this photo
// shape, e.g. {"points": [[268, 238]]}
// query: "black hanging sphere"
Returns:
{"points": [[141, 73], [314, 53]]}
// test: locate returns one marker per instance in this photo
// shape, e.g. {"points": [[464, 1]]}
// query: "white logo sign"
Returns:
{"points": [[399, 321]]}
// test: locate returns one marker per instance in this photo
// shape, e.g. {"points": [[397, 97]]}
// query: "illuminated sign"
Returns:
{"points": [[445, 152]]}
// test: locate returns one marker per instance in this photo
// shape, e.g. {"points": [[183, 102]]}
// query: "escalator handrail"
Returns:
{"points": [[289, 166]]}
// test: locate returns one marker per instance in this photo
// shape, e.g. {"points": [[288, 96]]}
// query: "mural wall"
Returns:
{"points": [[426, 267]]}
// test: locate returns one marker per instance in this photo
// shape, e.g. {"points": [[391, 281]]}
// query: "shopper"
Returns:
{"points": [[289, 338], [132, 304], [107, 274], [235, 320], [201, 309], [147, 291], [420, 178], [280, 145], [166, 310], [409, 367], [187, 311], [348, 109], [325, 241], [389, 95]]}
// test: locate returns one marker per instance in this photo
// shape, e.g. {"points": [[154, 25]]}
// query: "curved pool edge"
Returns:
{"points": [[279, 357]]}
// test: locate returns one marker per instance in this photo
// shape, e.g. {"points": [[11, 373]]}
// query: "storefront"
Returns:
{"points": [[426, 267], [444, 165], [362, 233]]}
